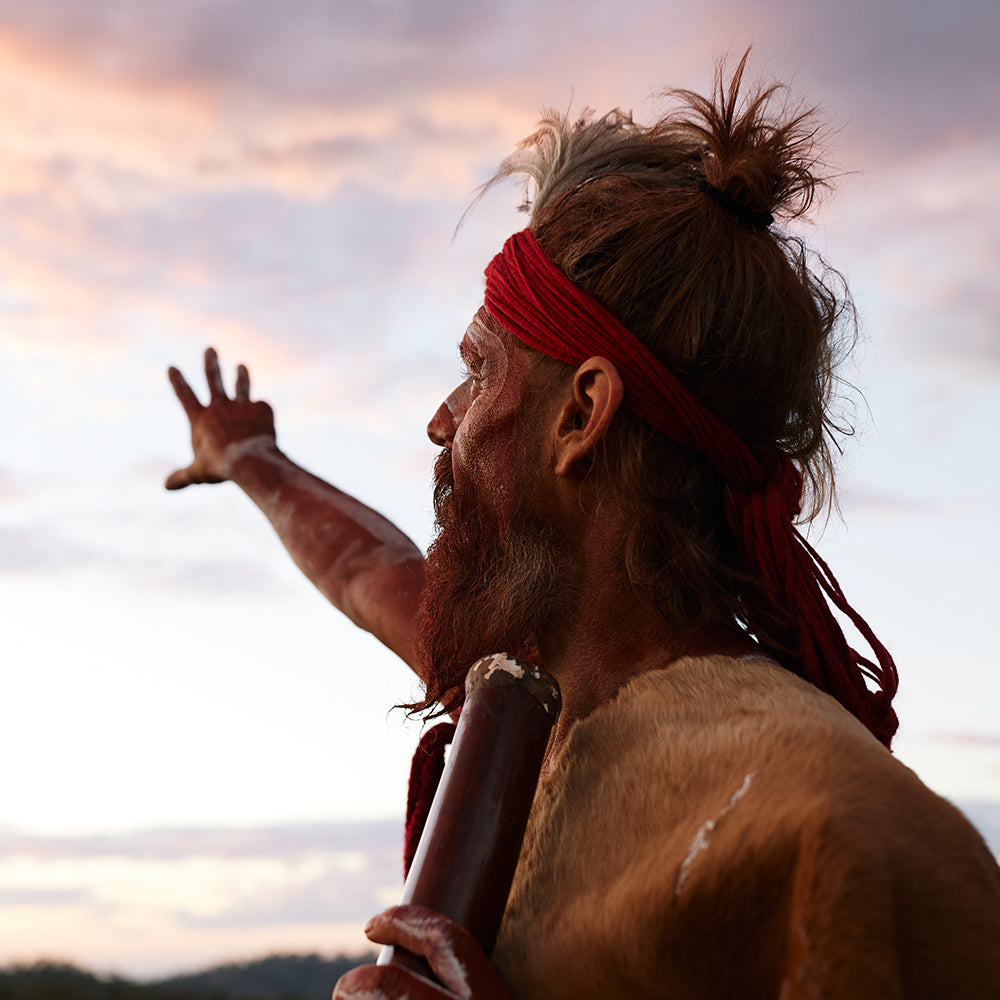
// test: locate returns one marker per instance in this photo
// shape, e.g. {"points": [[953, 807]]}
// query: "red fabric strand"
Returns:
{"points": [[532, 298], [425, 776]]}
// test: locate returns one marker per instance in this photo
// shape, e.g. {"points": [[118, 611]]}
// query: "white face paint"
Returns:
{"points": [[484, 355], [486, 401]]}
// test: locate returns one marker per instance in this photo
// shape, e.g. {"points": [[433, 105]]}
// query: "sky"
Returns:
{"points": [[201, 759]]}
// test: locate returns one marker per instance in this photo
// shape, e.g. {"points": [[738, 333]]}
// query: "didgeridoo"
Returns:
{"points": [[465, 861]]}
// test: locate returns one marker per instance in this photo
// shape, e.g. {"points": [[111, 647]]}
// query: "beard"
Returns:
{"points": [[492, 582]]}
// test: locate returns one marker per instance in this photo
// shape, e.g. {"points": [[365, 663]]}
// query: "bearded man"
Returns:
{"points": [[646, 415]]}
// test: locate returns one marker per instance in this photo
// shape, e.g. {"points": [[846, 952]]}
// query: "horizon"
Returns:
{"points": [[238, 894]]}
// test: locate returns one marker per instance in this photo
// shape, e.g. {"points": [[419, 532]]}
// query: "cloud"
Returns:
{"points": [[320, 52], [242, 175], [210, 878], [896, 505], [986, 741], [376, 65], [902, 77], [38, 549], [922, 258], [114, 115], [12, 488], [152, 901], [250, 269], [41, 551], [216, 576], [378, 839], [42, 897], [355, 55]]}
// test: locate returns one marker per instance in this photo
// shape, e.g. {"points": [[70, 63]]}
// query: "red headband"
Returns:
{"points": [[532, 298]]}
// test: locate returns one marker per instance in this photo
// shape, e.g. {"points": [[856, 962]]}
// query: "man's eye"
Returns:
{"points": [[474, 372]]}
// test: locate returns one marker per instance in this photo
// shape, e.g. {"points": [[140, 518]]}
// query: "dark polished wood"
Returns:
{"points": [[465, 862]]}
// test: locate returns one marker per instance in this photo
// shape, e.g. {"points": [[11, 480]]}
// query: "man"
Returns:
{"points": [[648, 405]]}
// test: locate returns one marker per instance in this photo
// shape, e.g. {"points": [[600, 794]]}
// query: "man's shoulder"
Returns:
{"points": [[716, 706], [774, 774], [708, 729], [722, 808]]}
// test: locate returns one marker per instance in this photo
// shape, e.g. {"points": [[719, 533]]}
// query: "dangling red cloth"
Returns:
{"points": [[425, 776], [532, 298]]}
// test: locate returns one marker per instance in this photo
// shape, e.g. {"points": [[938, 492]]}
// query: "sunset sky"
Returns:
{"points": [[200, 757]]}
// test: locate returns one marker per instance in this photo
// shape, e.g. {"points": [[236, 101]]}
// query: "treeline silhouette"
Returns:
{"points": [[277, 977]]}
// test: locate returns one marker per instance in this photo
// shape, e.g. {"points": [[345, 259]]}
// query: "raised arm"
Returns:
{"points": [[362, 563]]}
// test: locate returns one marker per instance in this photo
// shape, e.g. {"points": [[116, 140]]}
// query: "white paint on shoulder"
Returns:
{"points": [[701, 838]]}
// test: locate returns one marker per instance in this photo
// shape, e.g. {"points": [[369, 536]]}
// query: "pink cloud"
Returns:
{"points": [[986, 741]]}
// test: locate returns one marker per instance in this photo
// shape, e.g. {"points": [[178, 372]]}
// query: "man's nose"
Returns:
{"points": [[441, 429]]}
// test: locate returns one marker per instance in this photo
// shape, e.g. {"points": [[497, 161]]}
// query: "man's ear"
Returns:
{"points": [[596, 394]]}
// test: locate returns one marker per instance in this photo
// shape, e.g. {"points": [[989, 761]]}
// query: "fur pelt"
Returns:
{"points": [[724, 829]]}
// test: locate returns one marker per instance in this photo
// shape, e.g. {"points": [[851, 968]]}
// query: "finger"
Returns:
{"points": [[431, 935], [242, 384], [178, 480], [214, 375], [387, 982], [184, 392]]}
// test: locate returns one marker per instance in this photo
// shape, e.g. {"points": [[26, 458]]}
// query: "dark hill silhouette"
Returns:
{"points": [[277, 977]]}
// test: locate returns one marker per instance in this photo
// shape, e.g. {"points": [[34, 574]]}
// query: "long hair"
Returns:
{"points": [[666, 226]]}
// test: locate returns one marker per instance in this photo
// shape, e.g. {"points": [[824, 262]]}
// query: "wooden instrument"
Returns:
{"points": [[468, 852]]}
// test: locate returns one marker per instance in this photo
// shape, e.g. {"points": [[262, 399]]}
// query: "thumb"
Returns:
{"points": [[179, 479]]}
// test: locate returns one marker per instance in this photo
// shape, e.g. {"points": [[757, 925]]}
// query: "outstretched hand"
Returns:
{"points": [[222, 430], [450, 950]]}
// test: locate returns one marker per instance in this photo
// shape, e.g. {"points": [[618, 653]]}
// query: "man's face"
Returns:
{"points": [[483, 414], [491, 571]]}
